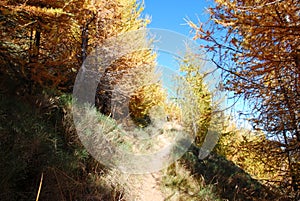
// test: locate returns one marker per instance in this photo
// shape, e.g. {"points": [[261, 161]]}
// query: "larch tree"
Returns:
{"points": [[202, 102], [38, 42], [130, 75], [256, 44], [246, 148], [45, 43]]}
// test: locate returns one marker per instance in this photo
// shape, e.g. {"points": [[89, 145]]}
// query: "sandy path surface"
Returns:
{"points": [[145, 187]]}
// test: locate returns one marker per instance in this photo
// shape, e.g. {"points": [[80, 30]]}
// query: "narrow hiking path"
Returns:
{"points": [[144, 187]]}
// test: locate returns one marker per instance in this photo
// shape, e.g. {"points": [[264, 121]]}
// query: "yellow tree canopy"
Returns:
{"points": [[256, 44]]}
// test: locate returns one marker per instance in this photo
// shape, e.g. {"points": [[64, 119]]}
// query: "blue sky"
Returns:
{"points": [[171, 15], [168, 14]]}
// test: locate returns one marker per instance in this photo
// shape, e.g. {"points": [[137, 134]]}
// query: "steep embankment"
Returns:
{"points": [[34, 142]]}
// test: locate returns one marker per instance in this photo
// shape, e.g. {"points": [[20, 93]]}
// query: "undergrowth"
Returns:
{"points": [[37, 137], [179, 185]]}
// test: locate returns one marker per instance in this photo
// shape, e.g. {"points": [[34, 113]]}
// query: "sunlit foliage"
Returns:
{"points": [[256, 44], [194, 78]]}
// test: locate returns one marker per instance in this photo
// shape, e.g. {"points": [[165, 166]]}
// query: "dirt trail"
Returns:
{"points": [[145, 187]]}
